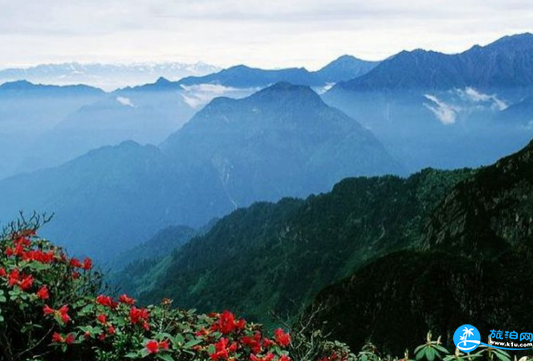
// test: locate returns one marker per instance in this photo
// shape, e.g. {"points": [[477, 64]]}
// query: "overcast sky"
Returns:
{"points": [[267, 33]]}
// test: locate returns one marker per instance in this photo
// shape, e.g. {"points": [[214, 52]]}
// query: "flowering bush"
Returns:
{"points": [[51, 309]]}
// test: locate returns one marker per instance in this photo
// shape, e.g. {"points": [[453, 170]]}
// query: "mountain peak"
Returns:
{"points": [[163, 81], [285, 90], [510, 44], [17, 85]]}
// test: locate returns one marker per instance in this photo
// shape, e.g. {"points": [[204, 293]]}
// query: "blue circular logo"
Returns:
{"points": [[466, 338]]}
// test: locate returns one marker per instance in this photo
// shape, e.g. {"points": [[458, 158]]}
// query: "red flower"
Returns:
{"points": [[282, 338], [43, 293], [3, 272], [57, 338], [48, 310], [106, 301], [126, 299], [111, 330], [87, 264], [139, 314], [253, 343], [163, 345], [153, 346], [62, 313], [13, 277], [226, 323], [269, 356], [284, 358], [69, 339], [39, 256], [75, 263], [26, 283], [23, 242], [267, 343], [102, 318]]}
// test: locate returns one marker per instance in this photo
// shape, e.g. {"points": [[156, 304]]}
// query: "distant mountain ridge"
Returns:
{"points": [[446, 110], [507, 62], [107, 76], [25, 88], [344, 68]]}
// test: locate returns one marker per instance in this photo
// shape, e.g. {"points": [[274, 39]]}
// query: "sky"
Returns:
{"points": [[267, 34]]}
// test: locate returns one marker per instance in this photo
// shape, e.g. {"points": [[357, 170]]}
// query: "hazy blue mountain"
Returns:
{"points": [[241, 76], [27, 111], [283, 254], [282, 141], [507, 62], [106, 76], [24, 88], [158, 246], [146, 114], [345, 68], [433, 109], [518, 114]]}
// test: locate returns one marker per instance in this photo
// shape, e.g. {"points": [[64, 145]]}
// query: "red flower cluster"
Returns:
{"points": [[86, 265], [154, 346], [226, 323], [68, 339], [126, 299], [16, 278], [282, 338], [106, 301], [43, 293], [61, 313], [222, 350], [140, 316], [93, 321]]}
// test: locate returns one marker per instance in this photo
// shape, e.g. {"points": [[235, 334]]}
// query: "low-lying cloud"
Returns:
{"points": [[445, 113]]}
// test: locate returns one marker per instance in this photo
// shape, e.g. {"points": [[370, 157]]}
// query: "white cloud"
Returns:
{"points": [[199, 95], [476, 96], [277, 33], [125, 101], [445, 113]]}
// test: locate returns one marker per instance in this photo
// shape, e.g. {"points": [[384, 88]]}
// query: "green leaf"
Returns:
{"points": [[165, 357], [420, 354], [441, 349], [192, 343], [502, 356], [430, 353]]}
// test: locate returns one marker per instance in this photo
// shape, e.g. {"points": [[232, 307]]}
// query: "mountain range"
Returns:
{"points": [[27, 111], [281, 141], [434, 109], [469, 265], [105, 76], [344, 68], [397, 257]]}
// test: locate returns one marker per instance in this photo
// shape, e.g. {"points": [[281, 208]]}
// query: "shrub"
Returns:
{"points": [[51, 309]]}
